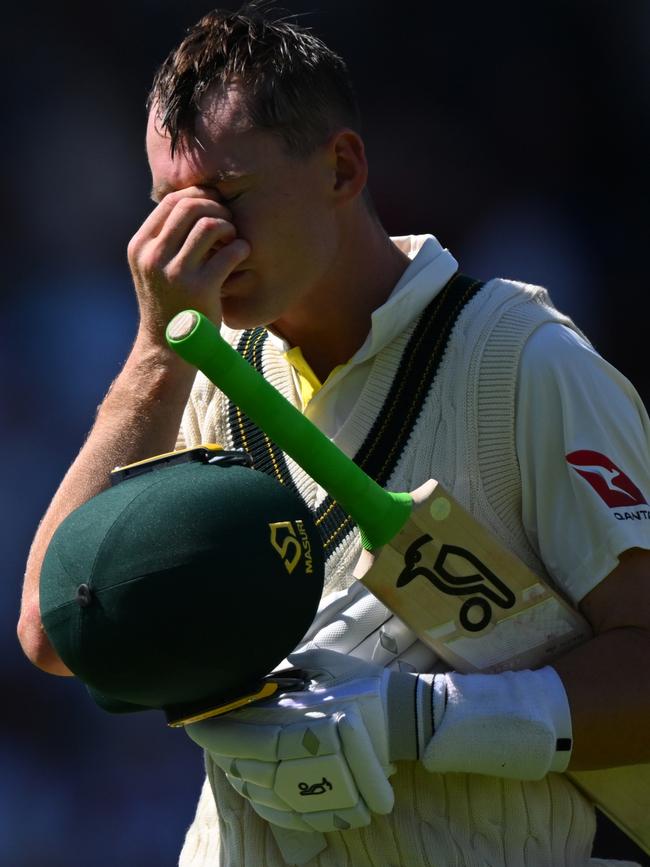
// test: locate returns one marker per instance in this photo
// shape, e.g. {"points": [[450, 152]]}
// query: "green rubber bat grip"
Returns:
{"points": [[380, 514]]}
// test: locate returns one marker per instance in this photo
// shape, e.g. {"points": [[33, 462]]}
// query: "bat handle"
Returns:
{"points": [[380, 514]]}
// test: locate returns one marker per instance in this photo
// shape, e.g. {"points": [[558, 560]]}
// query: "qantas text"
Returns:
{"points": [[638, 515]]}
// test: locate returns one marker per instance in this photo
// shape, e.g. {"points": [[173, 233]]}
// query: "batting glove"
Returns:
{"points": [[316, 759], [320, 758]]}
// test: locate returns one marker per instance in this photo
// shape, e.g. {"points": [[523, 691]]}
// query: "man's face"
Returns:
{"points": [[279, 204]]}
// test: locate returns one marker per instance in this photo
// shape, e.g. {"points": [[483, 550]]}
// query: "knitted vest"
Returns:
{"points": [[465, 437]]}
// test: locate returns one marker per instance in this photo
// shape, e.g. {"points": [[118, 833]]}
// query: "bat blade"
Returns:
{"points": [[464, 594]]}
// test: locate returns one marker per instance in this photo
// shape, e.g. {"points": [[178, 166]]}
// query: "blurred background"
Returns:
{"points": [[517, 133]]}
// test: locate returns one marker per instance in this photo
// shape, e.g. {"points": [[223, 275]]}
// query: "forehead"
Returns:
{"points": [[223, 110], [225, 144]]}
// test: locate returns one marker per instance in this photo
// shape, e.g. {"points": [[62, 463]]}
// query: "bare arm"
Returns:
{"points": [[179, 258], [139, 417], [607, 679]]}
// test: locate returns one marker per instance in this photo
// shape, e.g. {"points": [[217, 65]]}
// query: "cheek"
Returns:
{"points": [[286, 232], [275, 237], [305, 228]]}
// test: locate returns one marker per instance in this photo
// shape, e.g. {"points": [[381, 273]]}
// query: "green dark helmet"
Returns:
{"points": [[181, 587]]}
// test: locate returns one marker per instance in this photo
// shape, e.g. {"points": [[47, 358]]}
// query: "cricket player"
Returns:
{"points": [[262, 221]]}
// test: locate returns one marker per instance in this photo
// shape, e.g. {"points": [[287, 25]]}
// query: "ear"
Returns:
{"points": [[349, 166]]}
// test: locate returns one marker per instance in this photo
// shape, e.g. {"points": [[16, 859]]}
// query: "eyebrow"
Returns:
{"points": [[221, 177]]}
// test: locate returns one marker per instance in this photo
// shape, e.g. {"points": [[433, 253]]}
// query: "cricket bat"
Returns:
{"points": [[476, 604]]}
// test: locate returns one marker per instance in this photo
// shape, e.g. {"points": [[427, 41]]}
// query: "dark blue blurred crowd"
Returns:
{"points": [[516, 133]]}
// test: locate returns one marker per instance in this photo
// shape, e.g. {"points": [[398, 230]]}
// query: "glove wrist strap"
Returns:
{"points": [[410, 721], [401, 711]]}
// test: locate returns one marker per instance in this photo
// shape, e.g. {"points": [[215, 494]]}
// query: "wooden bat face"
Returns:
{"points": [[464, 594]]}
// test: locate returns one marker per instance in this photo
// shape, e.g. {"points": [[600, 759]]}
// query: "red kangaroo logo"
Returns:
{"points": [[608, 480]]}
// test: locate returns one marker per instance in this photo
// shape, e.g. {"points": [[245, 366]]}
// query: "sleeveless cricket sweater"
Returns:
{"points": [[464, 436]]}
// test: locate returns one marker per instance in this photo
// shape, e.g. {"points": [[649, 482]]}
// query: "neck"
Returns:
{"points": [[336, 319]]}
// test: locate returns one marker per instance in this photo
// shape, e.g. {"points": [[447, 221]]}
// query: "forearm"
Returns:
{"points": [[607, 681], [139, 417]]}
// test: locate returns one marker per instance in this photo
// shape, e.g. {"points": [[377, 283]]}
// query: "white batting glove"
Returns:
{"points": [[317, 759]]}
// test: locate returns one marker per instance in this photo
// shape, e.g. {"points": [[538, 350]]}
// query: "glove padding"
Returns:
{"points": [[315, 759]]}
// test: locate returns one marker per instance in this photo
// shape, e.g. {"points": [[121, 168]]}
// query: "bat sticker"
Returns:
{"points": [[481, 581]]}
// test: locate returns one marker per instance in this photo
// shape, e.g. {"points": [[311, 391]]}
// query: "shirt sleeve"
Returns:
{"points": [[583, 445]]}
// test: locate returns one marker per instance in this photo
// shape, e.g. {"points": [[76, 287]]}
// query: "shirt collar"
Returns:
{"points": [[431, 268]]}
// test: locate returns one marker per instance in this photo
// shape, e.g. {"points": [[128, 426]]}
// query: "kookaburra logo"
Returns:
{"points": [[481, 584]]}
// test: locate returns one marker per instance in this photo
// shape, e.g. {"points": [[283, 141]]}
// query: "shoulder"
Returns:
{"points": [[559, 359], [553, 344]]}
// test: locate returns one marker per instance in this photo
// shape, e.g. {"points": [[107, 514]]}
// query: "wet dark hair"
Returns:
{"points": [[292, 83]]}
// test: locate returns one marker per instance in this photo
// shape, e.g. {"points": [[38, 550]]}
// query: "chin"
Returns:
{"points": [[239, 316]]}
